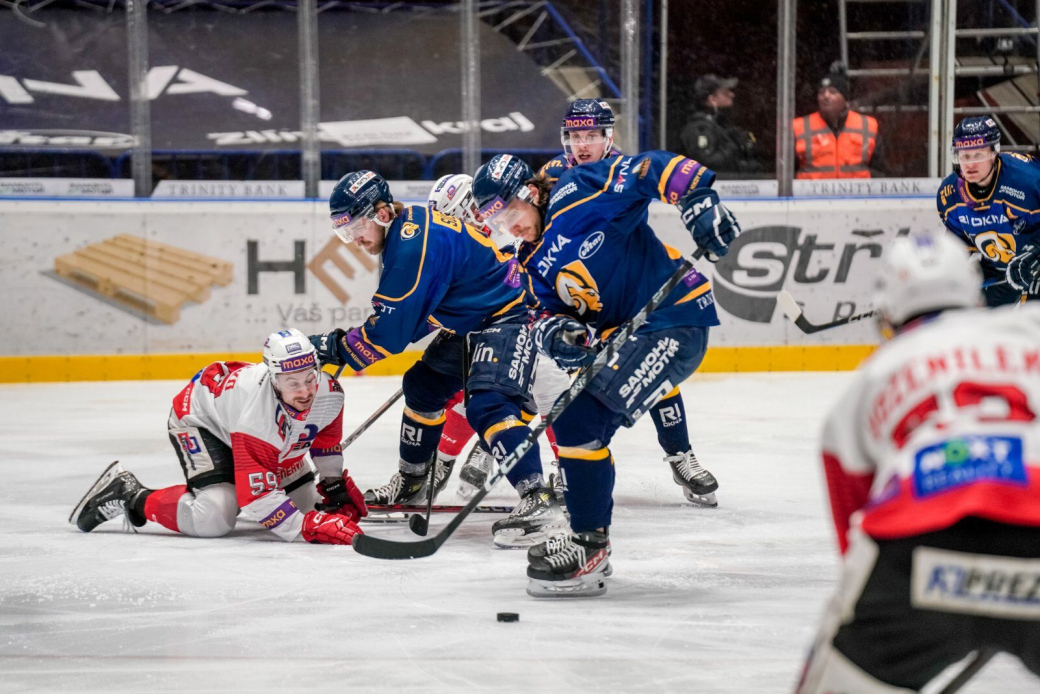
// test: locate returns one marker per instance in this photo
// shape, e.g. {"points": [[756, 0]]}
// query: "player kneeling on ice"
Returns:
{"points": [[242, 433], [440, 273], [595, 263], [932, 461]]}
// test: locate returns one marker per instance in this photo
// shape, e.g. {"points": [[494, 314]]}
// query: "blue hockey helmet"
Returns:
{"points": [[354, 199], [498, 183], [976, 131], [588, 114]]}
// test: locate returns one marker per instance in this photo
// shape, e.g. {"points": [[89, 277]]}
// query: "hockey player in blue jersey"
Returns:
{"points": [[992, 204], [439, 273], [593, 261], [587, 134]]}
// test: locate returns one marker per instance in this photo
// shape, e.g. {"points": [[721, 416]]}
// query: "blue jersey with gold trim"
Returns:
{"points": [[437, 273], [999, 225], [599, 261], [555, 167]]}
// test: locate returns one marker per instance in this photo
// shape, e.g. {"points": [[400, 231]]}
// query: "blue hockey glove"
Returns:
{"points": [[327, 345], [712, 226], [564, 340], [1023, 272]]}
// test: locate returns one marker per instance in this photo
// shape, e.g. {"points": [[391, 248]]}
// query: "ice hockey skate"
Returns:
{"points": [[698, 484], [474, 472], [402, 489], [107, 499], [535, 518], [569, 566], [441, 475]]}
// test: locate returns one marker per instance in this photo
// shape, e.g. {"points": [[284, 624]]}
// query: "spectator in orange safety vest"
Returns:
{"points": [[835, 142]]}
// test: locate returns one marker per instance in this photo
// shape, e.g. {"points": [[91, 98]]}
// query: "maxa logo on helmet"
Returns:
{"points": [[361, 181], [968, 142], [761, 260], [582, 122], [305, 361]]}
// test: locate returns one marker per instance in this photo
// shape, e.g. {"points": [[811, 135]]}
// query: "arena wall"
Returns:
{"points": [[124, 289]]}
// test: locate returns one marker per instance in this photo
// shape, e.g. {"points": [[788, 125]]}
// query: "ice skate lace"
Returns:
{"points": [[480, 463], [562, 551], [528, 504], [689, 468], [390, 490]]}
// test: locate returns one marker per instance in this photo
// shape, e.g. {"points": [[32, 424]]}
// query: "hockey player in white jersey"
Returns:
{"points": [[932, 461], [241, 431]]}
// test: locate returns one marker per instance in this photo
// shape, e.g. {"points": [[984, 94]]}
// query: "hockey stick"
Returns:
{"points": [[971, 669], [368, 422], [793, 311], [436, 508], [418, 523], [381, 548]]}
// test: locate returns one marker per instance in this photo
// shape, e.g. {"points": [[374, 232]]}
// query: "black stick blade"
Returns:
{"points": [[379, 548], [418, 524]]}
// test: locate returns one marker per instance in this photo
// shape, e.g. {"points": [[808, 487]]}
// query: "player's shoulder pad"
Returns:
{"points": [[555, 166], [947, 196], [1019, 180]]}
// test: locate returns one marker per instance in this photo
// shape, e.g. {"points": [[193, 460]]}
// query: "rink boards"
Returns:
{"points": [[125, 289]]}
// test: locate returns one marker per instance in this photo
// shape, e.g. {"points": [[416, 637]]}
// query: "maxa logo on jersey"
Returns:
{"points": [[590, 245], [966, 460]]}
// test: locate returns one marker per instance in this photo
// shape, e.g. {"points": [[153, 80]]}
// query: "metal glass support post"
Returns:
{"points": [[140, 106], [470, 63], [310, 98], [936, 41], [948, 64], [662, 79], [787, 11], [630, 75]]}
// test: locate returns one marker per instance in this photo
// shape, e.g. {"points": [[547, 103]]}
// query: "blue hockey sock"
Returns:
{"points": [[589, 491], [669, 416], [420, 434], [527, 473]]}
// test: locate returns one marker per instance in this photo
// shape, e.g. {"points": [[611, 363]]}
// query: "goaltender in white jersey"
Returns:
{"points": [[242, 433], [932, 460]]}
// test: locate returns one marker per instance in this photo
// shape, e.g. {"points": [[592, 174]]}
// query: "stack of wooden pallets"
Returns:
{"points": [[151, 277]]}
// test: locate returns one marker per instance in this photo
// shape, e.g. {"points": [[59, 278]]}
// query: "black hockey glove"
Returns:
{"points": [[712, 226], [1023, 272], [327, 345], [564, 340]]}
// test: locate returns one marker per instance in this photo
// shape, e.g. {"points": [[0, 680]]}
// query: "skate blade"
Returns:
{"points": [[707, 500], [107, 476], [583, 587]]}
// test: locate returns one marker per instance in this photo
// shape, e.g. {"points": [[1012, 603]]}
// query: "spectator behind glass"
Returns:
{"points": [[711, 138], [834, 141]]}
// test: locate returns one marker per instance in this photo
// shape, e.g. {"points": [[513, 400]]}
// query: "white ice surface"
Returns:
{"points": [[702, 600]]}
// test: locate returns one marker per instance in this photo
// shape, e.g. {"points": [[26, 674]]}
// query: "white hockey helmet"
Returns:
{"points": [[452, 194], [289, 351], [925, 273]]}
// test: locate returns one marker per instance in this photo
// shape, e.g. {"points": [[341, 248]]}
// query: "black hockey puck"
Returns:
{"points": [[508, 617]]}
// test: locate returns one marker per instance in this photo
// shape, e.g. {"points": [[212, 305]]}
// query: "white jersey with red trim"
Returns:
{"points": [[236, 403], [941, 423]]}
